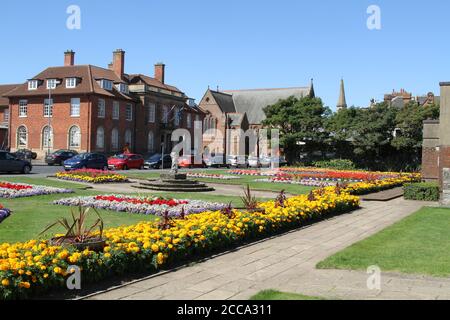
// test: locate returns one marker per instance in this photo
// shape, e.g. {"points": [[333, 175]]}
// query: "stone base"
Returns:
{"points": [[173, 176], [174, 183]]}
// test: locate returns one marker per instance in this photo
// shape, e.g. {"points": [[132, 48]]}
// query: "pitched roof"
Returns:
{"points": [[87, 75], [252, 102], [225, 101], [4, 89], [135, 78]]}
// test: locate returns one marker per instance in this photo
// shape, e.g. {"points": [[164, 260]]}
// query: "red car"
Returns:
{"points": [[126, 161], [188, 162]]}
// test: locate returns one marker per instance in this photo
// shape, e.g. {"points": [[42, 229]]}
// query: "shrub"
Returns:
{"points": [[337, 164], [422, 191]]}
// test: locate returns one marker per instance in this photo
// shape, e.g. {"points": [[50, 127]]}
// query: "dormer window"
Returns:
{"points": [[71, 83], [33, 84], [106, 84], [52, 83], [122, 87]]}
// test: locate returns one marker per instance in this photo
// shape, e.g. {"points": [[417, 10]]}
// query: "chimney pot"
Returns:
{"points": [[160, 70], [69, 58]]}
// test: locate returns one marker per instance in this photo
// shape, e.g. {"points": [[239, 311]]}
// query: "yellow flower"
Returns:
{"points": [[5, 282]]}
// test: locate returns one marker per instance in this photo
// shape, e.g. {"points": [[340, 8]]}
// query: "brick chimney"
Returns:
{"points": [[160, 69], [118, 64], [69, 58]]}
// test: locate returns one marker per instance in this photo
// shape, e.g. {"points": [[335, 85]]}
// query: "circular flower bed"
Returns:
{"points": [[142, 205], [92, 176]]}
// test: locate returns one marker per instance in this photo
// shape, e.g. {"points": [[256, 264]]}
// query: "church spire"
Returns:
{"points": [[312, 94], [342, 103]]}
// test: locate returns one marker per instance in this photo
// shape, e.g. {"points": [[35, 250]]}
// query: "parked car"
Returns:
{"points": [[215, 161], [254, 162], [10, 163], [155, 161], [126, 161], [87, 161], [238, 161], [189, 162], [25, 154], [266, 161], [58, 157]]}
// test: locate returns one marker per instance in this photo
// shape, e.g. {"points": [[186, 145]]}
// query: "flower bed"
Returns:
{"points": [[92, 176], [303, 182], [31, 268], [211, 176], [14, 190], [142, 205], [4, 213]]}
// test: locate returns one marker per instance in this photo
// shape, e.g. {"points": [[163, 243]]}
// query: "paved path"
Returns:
{"points": [[288, 262]]}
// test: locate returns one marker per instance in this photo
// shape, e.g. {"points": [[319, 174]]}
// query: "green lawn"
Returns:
{"points": [[276, 295], [31, 215], [419, 244], [242, 181]]}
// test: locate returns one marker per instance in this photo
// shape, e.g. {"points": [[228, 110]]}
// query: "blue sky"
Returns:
{"points": [[239, 44]]}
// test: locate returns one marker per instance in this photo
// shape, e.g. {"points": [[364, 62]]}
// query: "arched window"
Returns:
{"points": [[128, 138], [22, 137], [47, 137], [205, 125], [74, 137], [100, 138], [151, 142], [115, 139], [213, 123]]}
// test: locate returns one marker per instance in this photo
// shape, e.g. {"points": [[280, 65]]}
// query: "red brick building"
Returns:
{"points": [[89, 108], [4, 115]]}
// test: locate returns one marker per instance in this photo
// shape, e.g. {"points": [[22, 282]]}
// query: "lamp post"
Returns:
{"points": [[50, 115]]}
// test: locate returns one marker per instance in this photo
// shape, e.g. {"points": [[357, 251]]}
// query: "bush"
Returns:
{"points": [[337, 164], [422, 191]]}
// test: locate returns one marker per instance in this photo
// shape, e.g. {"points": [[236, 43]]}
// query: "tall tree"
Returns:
{"points": [[299, 121]]}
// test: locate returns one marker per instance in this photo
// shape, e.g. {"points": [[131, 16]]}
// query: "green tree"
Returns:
{"points": [[299, 120]]}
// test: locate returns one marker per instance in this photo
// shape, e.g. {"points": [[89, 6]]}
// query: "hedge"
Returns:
{"points": [[421, 191]]}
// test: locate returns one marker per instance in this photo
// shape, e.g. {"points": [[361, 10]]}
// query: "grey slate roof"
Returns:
{"points": [[225, 101], [236, 119], [252, 102]]}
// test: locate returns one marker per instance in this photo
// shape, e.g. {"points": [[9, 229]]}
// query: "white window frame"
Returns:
{"points": [[116, 110], [71, 83], [101, 108], [48, 108], [19, 145], [115, 139], [33, 85], [151, 141], [129, 112], [51, 84], [6, 115], [45, 139], [71, 138], [165, 115], [176, 118], [106, 84], [129, 138], [152, 113], [100, 137], [75, 106], [23, 108]]}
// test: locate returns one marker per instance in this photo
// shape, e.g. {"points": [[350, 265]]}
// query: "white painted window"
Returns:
{"points": [[101, 108], [116, 110], [165, 115], [128, 138], [23, 108], [177, 117], [152, 113], [51, 84], [74, 137], [151, 142], [47, 137], [48, 108], [33, 84], [115, 139], [71, 83], [6, 116], [189, 121], [129, 112], [75, 107], [22, 137], [123, 88], [106, 84], [100, 141]]}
